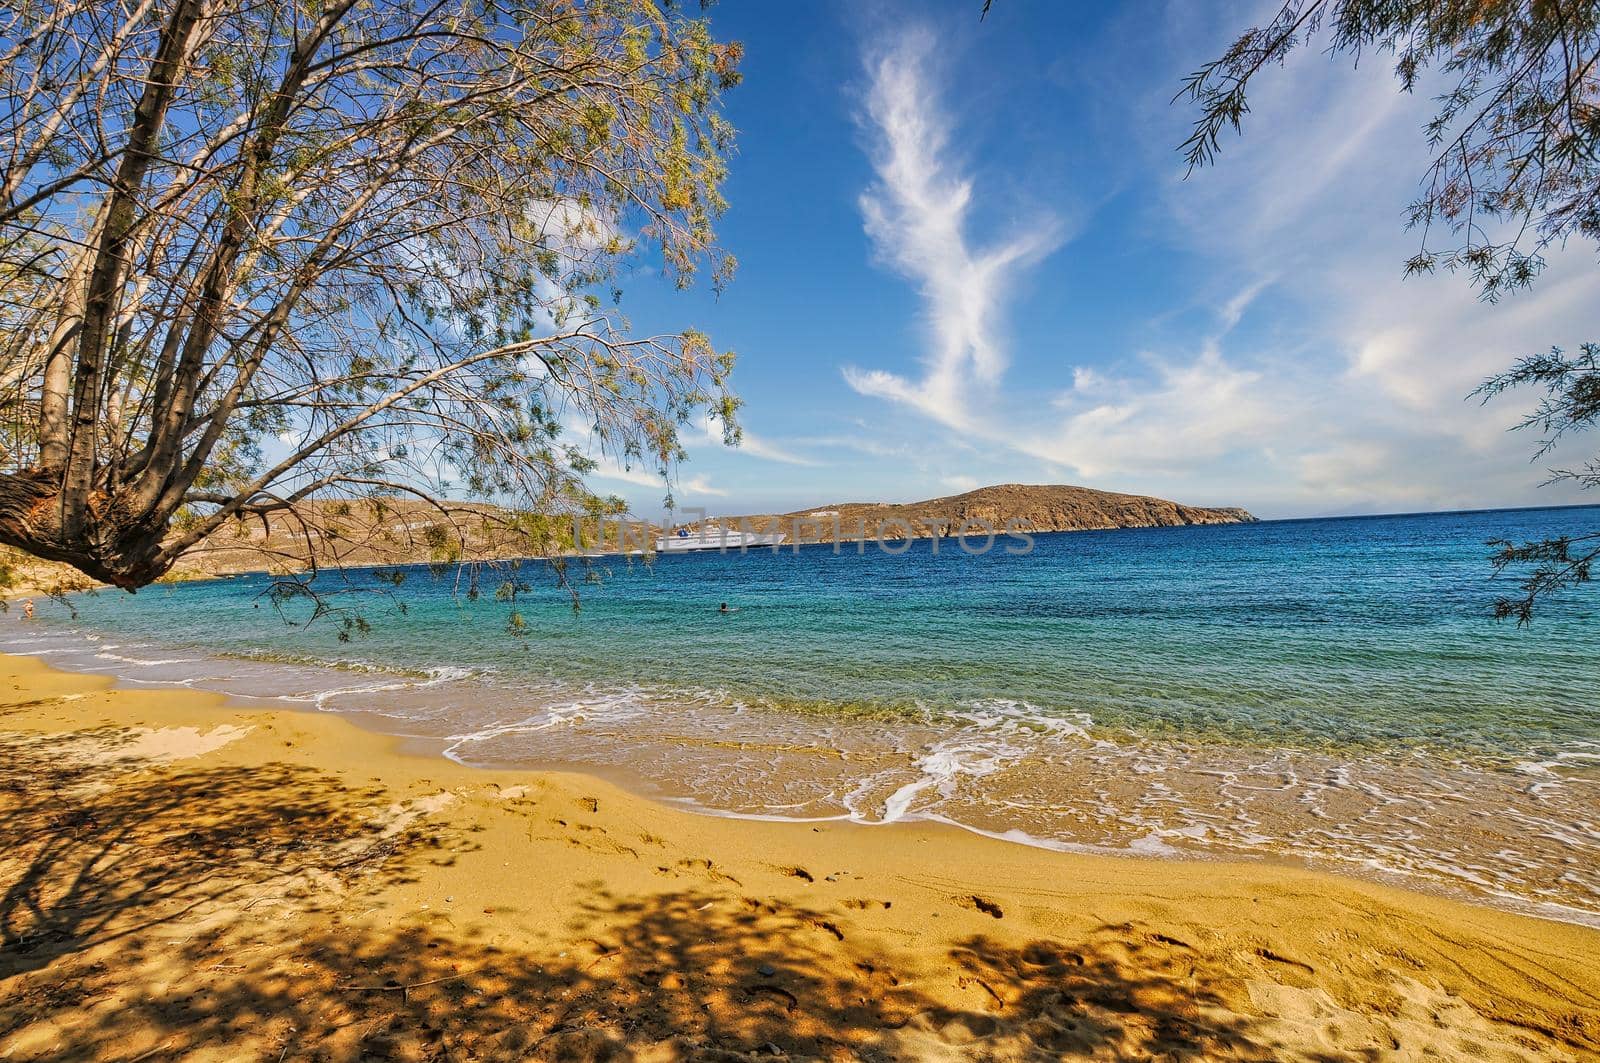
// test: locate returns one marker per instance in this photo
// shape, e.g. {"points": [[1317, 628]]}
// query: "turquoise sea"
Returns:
{"points": [[1326, 691]]}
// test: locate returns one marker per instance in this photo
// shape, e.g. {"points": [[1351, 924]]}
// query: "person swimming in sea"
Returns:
{"points": [[724, 608]]}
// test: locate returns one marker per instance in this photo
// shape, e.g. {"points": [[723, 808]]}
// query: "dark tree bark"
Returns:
{"points": [[115, 547]]}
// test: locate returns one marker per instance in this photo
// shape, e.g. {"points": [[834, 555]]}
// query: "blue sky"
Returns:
{"points": [[968, 256]]}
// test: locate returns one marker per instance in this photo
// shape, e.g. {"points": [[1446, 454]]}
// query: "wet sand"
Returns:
{"points": [[183, 878]]}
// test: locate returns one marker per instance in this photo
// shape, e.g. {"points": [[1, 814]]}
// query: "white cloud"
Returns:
{"points": [[573, 229], [864, 443], [608, 468], [1232, 311], [698, 485], [753, 445], [1352, 397], [1178, 414], [1374, 397], [917, 214]]}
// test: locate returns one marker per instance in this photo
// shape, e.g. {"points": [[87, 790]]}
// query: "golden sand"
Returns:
{"points": [[184, 878]]}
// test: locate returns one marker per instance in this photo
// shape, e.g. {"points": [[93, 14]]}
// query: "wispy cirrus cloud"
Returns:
{"points": [[918, 214], [610, 468], [695, 486], [607, 468], [1166, 421], [754, 445], [1317, 380]]}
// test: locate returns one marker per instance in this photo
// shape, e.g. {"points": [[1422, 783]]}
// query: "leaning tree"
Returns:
{"points": [[1515, 170], [256, 254]]}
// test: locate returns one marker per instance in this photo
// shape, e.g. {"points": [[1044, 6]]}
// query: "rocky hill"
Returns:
{"points": [[408, 531], [335, 533], [1035, 508]]}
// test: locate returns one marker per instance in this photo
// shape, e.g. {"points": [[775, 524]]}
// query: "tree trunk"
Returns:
{"points": [[120, 215], [111, 547], [58, 361]]}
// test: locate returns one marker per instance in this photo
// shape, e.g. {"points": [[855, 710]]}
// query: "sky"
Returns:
{"points": [[969, 255]]}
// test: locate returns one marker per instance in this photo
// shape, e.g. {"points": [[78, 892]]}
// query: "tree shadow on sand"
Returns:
{"points": [[95, 852], [205, 913]]}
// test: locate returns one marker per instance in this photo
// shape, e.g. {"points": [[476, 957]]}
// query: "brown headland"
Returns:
{"points": [[406, 531]]}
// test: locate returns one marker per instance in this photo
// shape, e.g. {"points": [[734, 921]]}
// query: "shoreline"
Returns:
{"points": [[527, 914], [635, 782]]}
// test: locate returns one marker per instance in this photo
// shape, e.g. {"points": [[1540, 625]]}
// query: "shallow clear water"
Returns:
{"points": [[1331, 691]]}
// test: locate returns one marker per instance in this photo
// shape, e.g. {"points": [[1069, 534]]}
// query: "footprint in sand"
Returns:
{"points": [[879, 979], [827, 928], [861, 904], [1050, 957], [975, 903], [1268, 954], [706, 868]]}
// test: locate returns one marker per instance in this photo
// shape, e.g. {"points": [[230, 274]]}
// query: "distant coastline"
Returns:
{"points": [[402, 532], [239, 552]]}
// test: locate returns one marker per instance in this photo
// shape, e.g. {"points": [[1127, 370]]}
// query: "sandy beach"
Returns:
{"points": [[188, 879]]}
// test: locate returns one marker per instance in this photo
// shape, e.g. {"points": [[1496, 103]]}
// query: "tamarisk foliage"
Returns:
{"points": [[1515, 170], [259, 255], [1571, 403]]}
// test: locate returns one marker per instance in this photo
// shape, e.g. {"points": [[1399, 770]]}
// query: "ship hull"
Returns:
{"points": [[717, 541]]}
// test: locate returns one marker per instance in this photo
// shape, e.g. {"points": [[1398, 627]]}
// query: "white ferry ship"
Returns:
{"points": [[715, 537]]}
